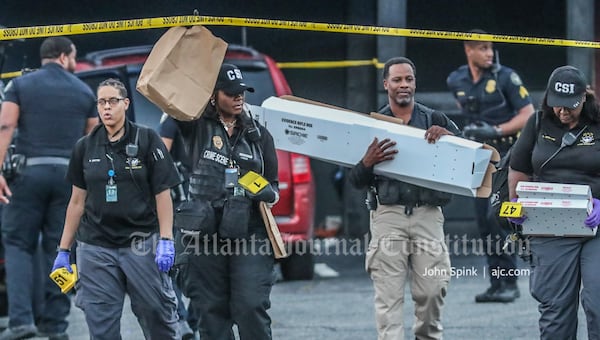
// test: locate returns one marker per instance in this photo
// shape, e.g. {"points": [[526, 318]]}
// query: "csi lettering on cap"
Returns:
{"points": [[231, 81], [234, 74], [566, 87]]}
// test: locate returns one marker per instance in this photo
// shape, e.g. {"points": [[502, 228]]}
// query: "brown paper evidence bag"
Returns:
{"points": [[181, 71]]}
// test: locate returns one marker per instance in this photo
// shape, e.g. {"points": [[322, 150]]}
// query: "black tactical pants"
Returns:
{"points": [[229, 282]]}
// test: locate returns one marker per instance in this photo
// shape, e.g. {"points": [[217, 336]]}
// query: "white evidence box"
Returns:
{"points": [[555, 209], [340, 136]]}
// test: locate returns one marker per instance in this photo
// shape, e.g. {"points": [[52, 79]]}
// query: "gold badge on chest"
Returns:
{"points": [[490, 86], [217, 142]]}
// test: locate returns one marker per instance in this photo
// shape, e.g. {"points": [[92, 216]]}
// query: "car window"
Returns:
{"points": [[148, 114], [262, 83]]}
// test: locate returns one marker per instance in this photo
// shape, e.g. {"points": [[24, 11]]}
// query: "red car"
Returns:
{"points": [[295, 210]]}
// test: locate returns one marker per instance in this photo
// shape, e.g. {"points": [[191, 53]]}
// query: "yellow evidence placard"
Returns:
{"points": [[253, 182], [64, 279], [511, 209]]}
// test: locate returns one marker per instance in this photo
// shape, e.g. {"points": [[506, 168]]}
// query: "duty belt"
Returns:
{"points": [[47, 161], [502, 143]]}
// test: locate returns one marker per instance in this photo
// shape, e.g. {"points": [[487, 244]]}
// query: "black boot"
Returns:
{"points": [[502, 292]]}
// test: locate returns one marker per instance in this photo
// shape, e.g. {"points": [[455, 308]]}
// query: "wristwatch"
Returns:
{"points": [[58, 248]]}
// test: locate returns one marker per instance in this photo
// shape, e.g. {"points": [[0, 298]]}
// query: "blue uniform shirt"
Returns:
{"points": [[54, 106], [495, 98]]}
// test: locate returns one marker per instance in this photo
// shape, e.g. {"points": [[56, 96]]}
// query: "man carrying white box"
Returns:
{"points": [[408, 221]]}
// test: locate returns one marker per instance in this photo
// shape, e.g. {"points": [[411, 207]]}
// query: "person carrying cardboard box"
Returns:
{"points": [[406, 220]]}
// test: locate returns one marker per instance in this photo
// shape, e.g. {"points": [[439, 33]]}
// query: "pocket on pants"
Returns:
{"points": [[370, 258], [236, 215], [192, 221]]}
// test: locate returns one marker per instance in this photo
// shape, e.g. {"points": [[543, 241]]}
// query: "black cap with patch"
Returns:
{"points": [[230, 80], [566, 87]]}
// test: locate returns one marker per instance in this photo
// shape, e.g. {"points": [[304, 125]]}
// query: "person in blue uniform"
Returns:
{"points": [[52, 109], [120, 211], [564, 269], [494, 100]]}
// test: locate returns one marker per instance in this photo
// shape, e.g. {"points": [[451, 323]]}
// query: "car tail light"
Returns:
{"points": [[300, 169]]}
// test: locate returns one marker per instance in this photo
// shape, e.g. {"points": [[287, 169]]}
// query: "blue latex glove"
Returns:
{"points": [[516, 220], [165, 255], [593, 219], [62, 261]]}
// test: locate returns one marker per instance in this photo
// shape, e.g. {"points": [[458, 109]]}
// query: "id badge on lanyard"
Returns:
{"points": [[111, 188], [231, 180]]}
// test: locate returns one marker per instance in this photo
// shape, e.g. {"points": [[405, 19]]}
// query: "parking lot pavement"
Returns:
{"points": [[338, 304], [77, 330], [342, 307]]}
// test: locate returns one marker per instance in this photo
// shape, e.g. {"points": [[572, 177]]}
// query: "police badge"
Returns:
{"points": [[217, 142], [490, 86]]}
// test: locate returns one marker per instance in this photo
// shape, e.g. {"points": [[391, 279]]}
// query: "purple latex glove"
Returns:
{"points": [[593, 219], [516, 220], [62, 261], [165, 255]]}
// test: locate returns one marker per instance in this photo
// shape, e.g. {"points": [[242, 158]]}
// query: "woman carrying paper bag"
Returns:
{"points": [[223, 249]]}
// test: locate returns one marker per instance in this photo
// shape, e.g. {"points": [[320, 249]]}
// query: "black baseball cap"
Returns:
{"points": [[230, 80], [566, 87]]}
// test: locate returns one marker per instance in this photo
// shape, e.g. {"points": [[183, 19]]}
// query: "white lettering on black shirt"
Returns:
{"points": [[215, 157]]}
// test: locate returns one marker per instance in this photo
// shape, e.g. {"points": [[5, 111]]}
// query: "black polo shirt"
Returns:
{"points": [[423, 120], [494, 99], [576, 164], [138, 180], [54, 106], [168, 129]]}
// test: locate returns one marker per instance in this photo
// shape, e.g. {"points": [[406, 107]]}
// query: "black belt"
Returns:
{"points": [[47, 161], [503, 141]]}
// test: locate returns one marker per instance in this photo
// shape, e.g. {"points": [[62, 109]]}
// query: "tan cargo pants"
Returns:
{"points": [[408, 247]]}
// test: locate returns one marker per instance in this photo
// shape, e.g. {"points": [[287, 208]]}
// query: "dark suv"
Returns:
{"points": [[295, 210]]}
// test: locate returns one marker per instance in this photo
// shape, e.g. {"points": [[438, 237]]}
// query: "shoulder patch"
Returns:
{"points": [[523, 92], [515, 79]]}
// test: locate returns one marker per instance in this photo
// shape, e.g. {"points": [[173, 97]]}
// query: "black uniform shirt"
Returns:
{"points": [[576, 164], [168, 129], [494, 99], [54, 106], [138, 180]]}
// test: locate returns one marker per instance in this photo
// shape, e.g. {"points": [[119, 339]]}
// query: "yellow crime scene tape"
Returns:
{"points": [[185, 20], [330, 64]]}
